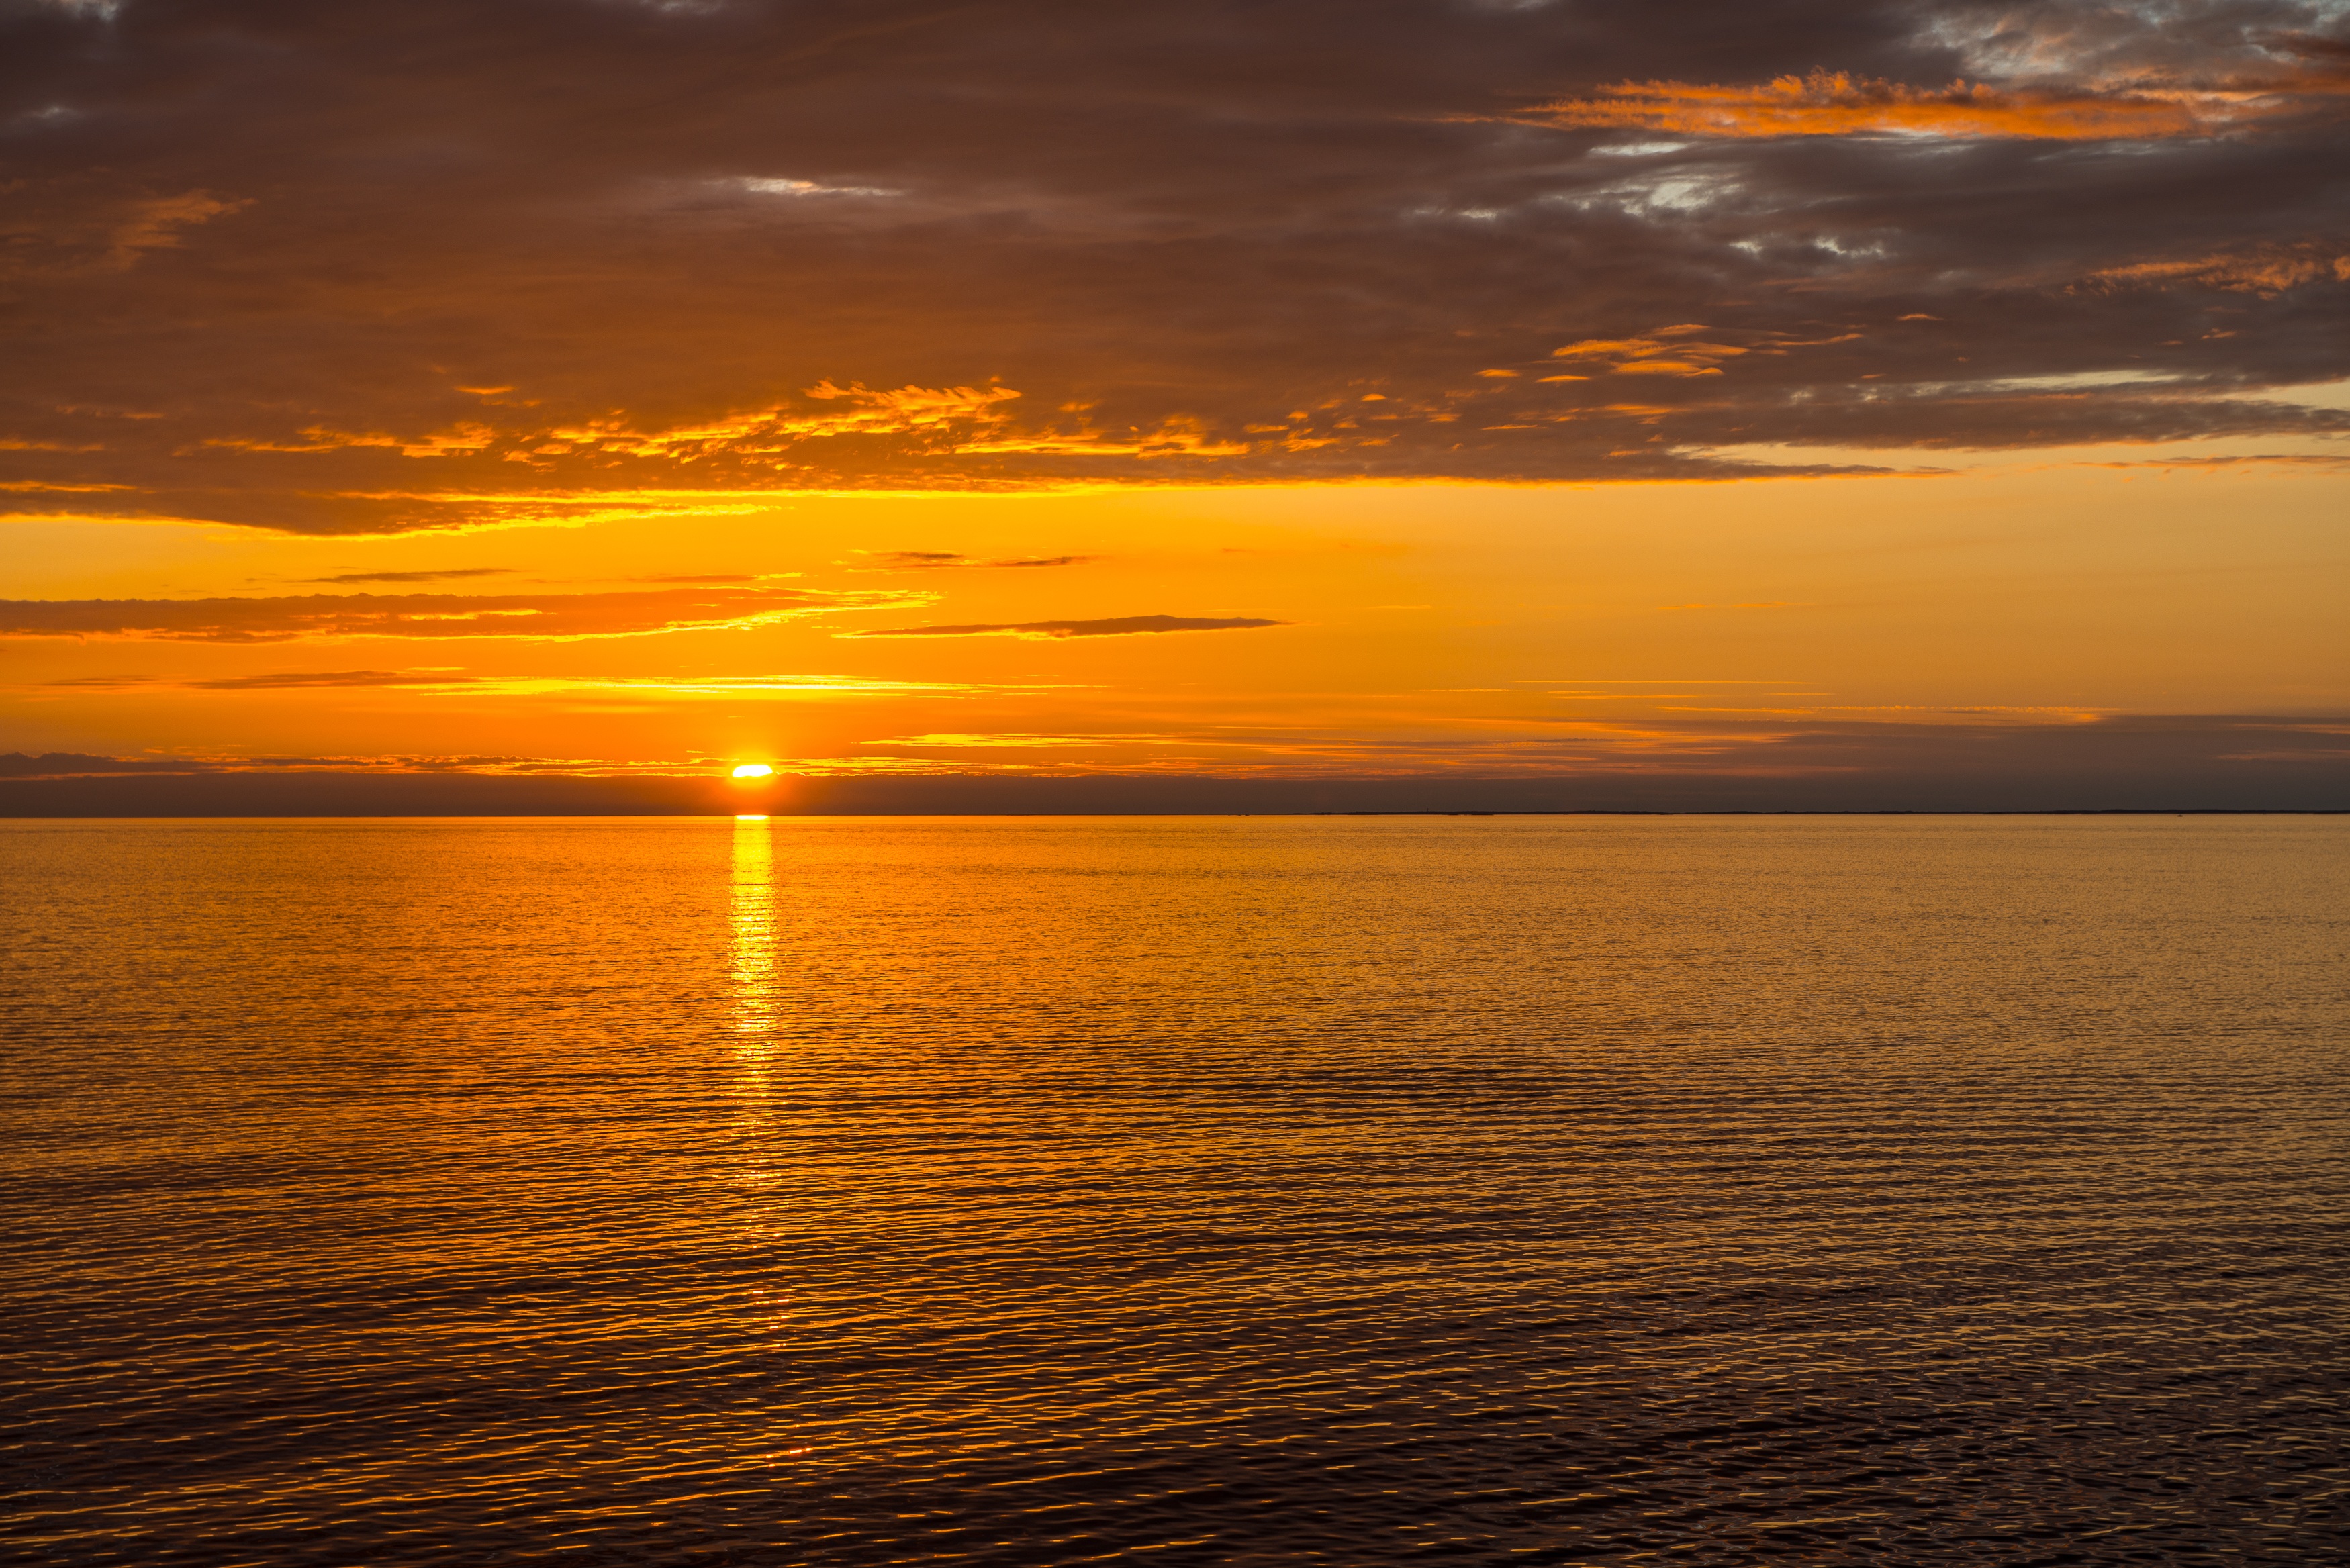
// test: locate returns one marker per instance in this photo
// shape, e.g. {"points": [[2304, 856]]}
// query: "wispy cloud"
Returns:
{"points": [[318, 617], [2267, 271], [779, 185], [1115, 625], [282, 680], [1837, 103], [936, 560], [446, 575], [448, 680]]}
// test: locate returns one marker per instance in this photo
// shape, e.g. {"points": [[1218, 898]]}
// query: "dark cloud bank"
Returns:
{"points": [[2147, 763], [355, 268]]}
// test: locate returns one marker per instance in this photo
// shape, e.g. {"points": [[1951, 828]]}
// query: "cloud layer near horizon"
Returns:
{"points": [[352, 270], [2142, 761]]}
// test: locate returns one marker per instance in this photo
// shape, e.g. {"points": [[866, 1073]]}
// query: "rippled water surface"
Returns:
{"points": [[1184, 1191]]}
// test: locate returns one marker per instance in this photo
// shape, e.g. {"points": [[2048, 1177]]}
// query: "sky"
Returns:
{"points": [[1469, 404]]}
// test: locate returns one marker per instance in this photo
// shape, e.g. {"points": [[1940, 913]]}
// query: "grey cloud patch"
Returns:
{"points": [[75, 764], [1113, 625], [1214, 243]]}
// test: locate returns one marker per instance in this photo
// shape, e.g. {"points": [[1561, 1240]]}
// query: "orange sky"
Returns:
{"points": [[1573, 402]]}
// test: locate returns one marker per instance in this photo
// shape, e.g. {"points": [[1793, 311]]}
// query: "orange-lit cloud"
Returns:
{"points": [[1670, 351], [1837, 103], [58, 231], [2267, 271], [853, 410], [156, 224]]}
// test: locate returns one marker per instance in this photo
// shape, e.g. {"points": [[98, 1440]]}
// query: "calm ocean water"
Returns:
{"points": [[1182, 1192]]}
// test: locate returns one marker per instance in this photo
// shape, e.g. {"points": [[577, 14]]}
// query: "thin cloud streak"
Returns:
{"points": [[448, 575], [1837, 103], [316, 618], [444, 680], [943, 560], [1056, 630]]}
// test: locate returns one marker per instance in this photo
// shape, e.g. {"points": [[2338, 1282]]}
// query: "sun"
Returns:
{"points": [[753, 771]]}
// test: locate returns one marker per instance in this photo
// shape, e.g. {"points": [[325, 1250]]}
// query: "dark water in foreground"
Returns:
{"points": [[1179, 1191]]}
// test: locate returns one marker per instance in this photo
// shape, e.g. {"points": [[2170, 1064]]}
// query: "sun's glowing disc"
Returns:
{"points": [[753, 771]]}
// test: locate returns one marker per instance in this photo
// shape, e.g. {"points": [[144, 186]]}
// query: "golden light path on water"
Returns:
{"points": [[751, 929], [752, 932]]}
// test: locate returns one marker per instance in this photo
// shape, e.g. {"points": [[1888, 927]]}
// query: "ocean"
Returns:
{"points": [[1710, 1190]]}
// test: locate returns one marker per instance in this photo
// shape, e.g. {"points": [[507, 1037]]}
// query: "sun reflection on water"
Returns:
{"points": [[752, 927]]}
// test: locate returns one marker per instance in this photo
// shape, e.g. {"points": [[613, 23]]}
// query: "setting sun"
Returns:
{"points": [[754, 770]]}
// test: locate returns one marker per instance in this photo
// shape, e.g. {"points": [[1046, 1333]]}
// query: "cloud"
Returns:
{"points": [[1116, 625], [2267, 272], [427, 679], [929, 412], [1933, 762], [1825, 103], [155, 224], [778, 186], [296, 680], [75, 764], [318, 617], [445, 575], [64, 228], [1217, 243], [933, 560], [283, 680], [71, 766], [464, 439], [1008, 740], [1669, 353]]}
